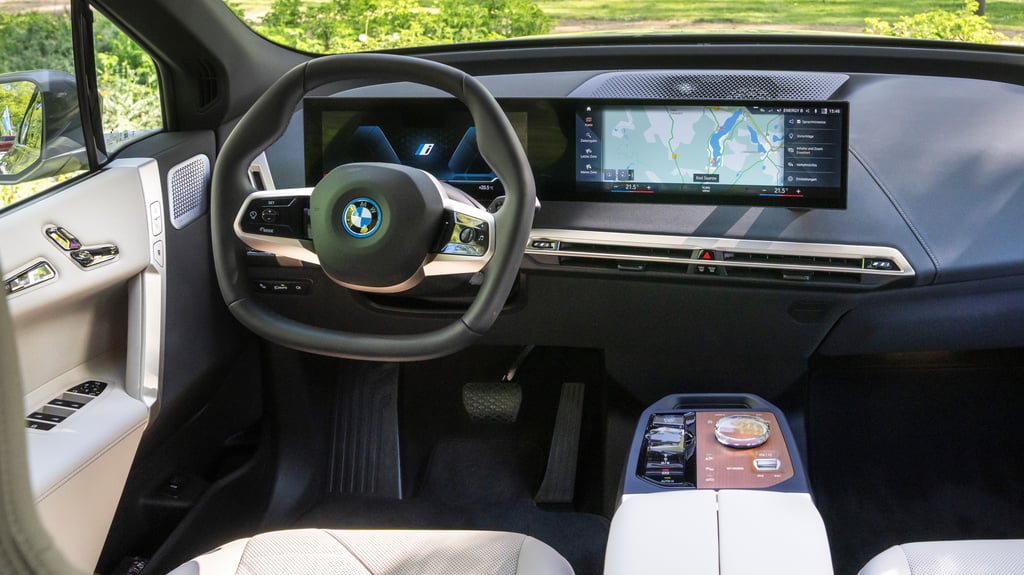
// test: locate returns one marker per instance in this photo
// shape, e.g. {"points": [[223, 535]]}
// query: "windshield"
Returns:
{"points": [[332, 26]]}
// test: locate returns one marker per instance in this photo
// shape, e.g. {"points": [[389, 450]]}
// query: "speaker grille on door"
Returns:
{"points": [[187, 185]]}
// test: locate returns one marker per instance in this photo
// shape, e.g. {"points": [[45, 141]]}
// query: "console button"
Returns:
{"points": [[706, 256], [671, 473], [742, 431], [880, 264]]}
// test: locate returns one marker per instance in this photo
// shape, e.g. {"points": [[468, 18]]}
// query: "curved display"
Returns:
{"points": [[715, 152], [790, 154]]}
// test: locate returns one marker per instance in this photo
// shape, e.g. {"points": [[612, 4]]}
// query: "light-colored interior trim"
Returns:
{"points": [[672, 533], [726, 532], [104, 208], [146, 306], [55, 455], [78, 514], [103, 323], [77, 470], [771, 533], [684, 243]]}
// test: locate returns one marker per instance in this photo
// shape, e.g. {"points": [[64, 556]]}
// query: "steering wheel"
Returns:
{"points": [[374, 227]]}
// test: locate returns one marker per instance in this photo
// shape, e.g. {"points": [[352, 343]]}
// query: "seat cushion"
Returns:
{"points": [[980, 557], [372, 552]]}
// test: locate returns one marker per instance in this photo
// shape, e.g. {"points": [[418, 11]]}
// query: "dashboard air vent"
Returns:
{"points": [[712, 85], [209, 85], [722, 259]]}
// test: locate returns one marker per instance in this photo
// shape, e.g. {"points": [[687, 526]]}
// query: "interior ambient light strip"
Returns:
{"points": [[624, 246]]}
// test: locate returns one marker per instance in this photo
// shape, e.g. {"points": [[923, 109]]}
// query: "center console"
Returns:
{"points": [[714, 485], [714, 442]]}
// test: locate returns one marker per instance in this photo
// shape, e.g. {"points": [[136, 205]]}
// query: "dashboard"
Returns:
{"points": [[911, 242]]}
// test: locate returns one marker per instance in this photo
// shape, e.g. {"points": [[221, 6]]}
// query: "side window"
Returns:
{"points": [[42, 142], [127, 81]]}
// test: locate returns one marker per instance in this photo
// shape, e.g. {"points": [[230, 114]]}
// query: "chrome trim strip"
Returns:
{"points": [[26, 269], [719, 244]]}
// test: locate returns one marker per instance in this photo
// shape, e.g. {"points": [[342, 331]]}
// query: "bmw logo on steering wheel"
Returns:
{"points": [[361, 218]]}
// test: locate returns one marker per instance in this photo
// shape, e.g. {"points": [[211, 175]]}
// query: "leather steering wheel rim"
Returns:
{"points": [[267, 120]]}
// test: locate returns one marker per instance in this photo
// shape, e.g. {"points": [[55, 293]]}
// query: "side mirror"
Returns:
{"points": [[41, 132]]}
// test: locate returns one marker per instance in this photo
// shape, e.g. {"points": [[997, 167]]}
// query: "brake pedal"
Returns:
{"points": [[497, 401]]}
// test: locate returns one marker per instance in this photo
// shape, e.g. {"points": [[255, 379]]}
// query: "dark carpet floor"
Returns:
{"points": [[919, 453], [477, 484]]}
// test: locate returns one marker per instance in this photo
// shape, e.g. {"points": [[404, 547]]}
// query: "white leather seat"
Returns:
{"points": [[370, 552], [980, 557]]}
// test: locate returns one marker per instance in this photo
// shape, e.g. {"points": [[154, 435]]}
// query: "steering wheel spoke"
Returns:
{"points": [[466, 243], [277, 222]]}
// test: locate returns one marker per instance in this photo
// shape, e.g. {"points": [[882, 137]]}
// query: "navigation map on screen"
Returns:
{"points": [[721, 150]]}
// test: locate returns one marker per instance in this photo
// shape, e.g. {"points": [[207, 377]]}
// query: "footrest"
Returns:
{"points": [[492, 402], [559, 485]]}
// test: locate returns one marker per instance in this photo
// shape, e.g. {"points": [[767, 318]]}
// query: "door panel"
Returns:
{"points": [[101, 323]]}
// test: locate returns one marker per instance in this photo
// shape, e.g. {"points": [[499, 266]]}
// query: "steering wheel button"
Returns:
{"points": [[467, 235], [270, 215], [273, 230], [276, 203]]}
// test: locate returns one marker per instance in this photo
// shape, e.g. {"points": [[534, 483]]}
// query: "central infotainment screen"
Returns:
{"points": [[791, 154]]}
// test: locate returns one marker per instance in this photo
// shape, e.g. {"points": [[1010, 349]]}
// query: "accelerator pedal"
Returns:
{"points": [[559, 485]]}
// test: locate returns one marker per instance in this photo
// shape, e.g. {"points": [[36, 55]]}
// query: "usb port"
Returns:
{"points": [[767, 464]]}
